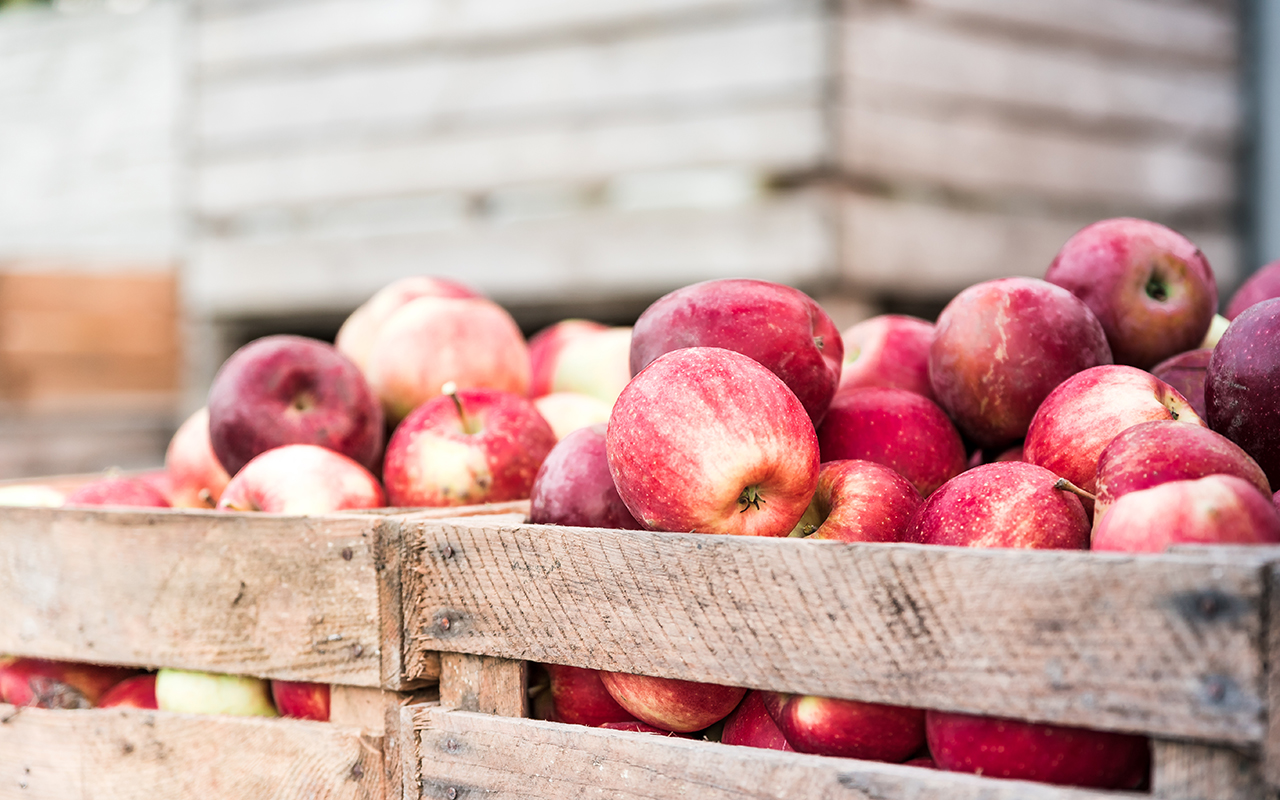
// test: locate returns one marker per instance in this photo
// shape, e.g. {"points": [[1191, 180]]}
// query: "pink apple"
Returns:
{"points": [[428, 342], [1216, 509], [778, 326], [136, 692], [1186, 373], [573, 486], [467, 447], [301, 699], [193, 692], [45, 683], [902, 430], [1031, 751], [545, 347], [1242, 388], [281, 390], [566, 412], [1261, 285], [709, 441], [591, 362], [671, 704], [302, 479], [1007, 504], [195, 473], [751, 726], [580, 698], [889, 350], [356, 336], [1080, 417], [829, 726], [117, 491], [859, 501], [1150, 287], [1001, 346]]}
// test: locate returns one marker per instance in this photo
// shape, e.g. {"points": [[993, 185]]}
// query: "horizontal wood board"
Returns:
{"points": [[1168, 645]]}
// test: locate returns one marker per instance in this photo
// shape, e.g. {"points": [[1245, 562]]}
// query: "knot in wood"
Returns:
{"points": [[347, 554]]}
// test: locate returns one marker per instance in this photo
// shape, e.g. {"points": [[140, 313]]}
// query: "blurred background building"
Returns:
{"points": [[180, 176]]}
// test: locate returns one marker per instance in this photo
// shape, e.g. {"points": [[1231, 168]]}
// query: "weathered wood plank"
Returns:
{"points": [[483, 684], [1165, 644], [286, 597], [464, 754], [1183, 771], [114, 754]]}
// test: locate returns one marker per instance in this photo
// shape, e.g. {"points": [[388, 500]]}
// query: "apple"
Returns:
{"points": [[1215, 509], [45, 683], [829, 726], [283, 389], [780, 327], [636, 726], [900, 429], [117, 490], [191, 692], [1151, 453], [568, 411], [301, 699], [574, 487], [672, 704], [136, 692], [196, 476], [594, 361], [580, 698], [471, 342], [1150, 287], [859, 501], [1033, 751], [302, 479], [1242, 388], [355, 337], [749, 725], [545, 347], [1261, 285], [889, 350], [1006, 504], [1001, 346], [466, 447], [1186, 373], [707, 440], [1080, 417]]}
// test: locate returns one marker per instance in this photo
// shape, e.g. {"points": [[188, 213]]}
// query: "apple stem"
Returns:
{"points": [[749, 498], [206, 497], [1067, 486], [451, 389]]}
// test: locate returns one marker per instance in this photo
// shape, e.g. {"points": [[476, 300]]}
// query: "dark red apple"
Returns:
{"points": [[829, 726], [671, 704], [573, 486], [1215, 509], [46, 683], [580, 697], [859, 501], [301, 699], [889, 350], [117, 491], [751, 726], [136, 692], [1186, 373], [1242, 390], [1261, 285]]}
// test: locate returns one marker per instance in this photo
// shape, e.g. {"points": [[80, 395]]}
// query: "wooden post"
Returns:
{"points": [[484, 684]]}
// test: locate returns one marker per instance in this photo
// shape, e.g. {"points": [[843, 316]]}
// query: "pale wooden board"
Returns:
{"points": [[483, 684], [1090, 639], [478, 755], [1183, 771], [114, 754], [235, 593]]}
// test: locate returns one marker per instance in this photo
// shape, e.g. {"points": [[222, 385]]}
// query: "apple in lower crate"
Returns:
{"points": [[46, 683], [1007, 748], [888, 350], [778, 326], [580, 697], [466, 447], [301, 699], [707, 440], [117, 491], [1242, 390], [671, 704], [1005, 504], [356, 336], [1261, 285], [193, 692], [1186, 372], [136, 692], [281, 390], [566, 412], [636, 726], [859, 501], [1216, 509], [830, 726], [196, 477], [573, 486], [302, 479], [749, 725]]}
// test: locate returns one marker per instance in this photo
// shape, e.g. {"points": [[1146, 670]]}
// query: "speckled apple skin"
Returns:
{"points": [[580, 698], [751, 726], [253, 402], [860, 501], [1186, 372], [302, 479], [301, 699], [573, 486], [782, 328], [900, 429], [888, 350], [117, 491], [829, 726], [1006, 748], [1261, 285], [671, 704], [1001, 346], [1242, 390], [1215, 509], [1006, 504], [696, 428]]}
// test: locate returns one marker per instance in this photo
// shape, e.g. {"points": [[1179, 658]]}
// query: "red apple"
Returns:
{"points": [[467, 447], [301, 699], [117, 491], [545, 347], [45, 683], [471, 342], [566, 412], [356, 336], [828, 726], [1001, 346], [1261, 285], [902, 430], [859, 501], [1150, 287], [778, 326], [192, 692], [636, 726], [889, 350], [751, 726], [302, 479], [1007, 504], [1031, 751], [196, 475], [1080, 417], [136, 692], [573, 486], [1216, 509], [671, 704], [281, 390], [1242, 389], [1186, 373], [580, 698], [709, 441], [590, 361]]}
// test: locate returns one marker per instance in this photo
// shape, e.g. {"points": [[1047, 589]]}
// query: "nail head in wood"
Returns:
{"points": [[347, 554]]}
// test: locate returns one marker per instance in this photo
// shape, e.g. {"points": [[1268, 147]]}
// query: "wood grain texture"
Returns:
{"points": [[1271, 745], [483, 684], [1182, 771], [285, 597], [1166, 644], [120, 754], [467, 755]]}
